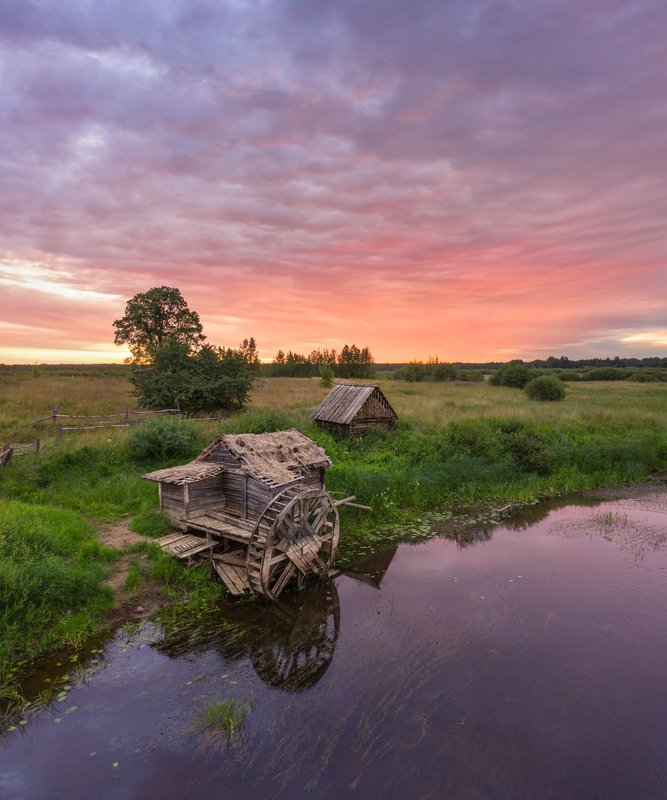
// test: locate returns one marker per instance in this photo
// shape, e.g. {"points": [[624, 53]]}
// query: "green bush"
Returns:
{"points": [[514, 374], [326, 375], [528, 447], [605, 374], [546, 387], [645, 376], [165, 437]]}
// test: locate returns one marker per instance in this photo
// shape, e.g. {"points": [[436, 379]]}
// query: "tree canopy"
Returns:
{"points": [[175, 366], [153, 317], [351, 362], [211, 379]]}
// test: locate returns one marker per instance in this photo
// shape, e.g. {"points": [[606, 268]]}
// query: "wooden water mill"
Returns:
{"points": [[256, 505]]}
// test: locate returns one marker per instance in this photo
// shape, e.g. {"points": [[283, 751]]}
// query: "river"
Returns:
{"points": [[530, 663]]}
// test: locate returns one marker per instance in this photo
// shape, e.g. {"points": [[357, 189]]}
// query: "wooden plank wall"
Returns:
{"points": [[207, 493], [172, 501]]}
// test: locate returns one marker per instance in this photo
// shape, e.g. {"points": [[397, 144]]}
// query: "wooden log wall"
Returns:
{"points": [[373, 409], [204, 494], [172, 501], [245, 496]]}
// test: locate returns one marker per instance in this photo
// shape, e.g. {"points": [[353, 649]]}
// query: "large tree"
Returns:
{"points": [[152, 318]]}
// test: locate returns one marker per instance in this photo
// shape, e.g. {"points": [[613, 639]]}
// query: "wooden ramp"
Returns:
{"points": [[233, 576], [185, 545]]}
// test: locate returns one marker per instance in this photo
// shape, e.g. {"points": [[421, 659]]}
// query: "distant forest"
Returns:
{"points": [[355, 362]]}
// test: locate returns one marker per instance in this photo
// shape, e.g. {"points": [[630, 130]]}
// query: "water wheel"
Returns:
{"points": [[296, 534]]}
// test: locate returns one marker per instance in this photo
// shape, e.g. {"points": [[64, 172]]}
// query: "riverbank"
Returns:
{"points": [[490, 451]]}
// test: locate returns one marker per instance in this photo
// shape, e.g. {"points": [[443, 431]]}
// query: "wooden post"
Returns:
{"points": [[55, 413], [6, 454], [37, 444], [60, 433], [127, 415]]}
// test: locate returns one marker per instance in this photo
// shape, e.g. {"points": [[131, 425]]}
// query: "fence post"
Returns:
{"points": [[127, 415], [55, 413], [37, 443], [178, 408], [5, 454], [60, 433]]}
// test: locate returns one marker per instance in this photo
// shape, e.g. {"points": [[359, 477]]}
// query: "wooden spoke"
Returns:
{"points": [[296, 536]]}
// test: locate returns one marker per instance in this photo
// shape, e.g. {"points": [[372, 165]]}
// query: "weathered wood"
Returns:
{"points": [[6, 454], [233, 577], [185, 545], [261, 534]]}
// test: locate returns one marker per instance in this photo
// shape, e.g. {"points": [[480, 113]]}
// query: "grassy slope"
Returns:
{"points": [[455, 443]]}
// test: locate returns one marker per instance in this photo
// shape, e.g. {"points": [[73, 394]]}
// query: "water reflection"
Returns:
{"points": [[530, 667], [290, 642], [372, 569]]}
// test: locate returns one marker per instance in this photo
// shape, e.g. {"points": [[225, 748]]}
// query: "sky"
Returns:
{"points": [[480, 180]]}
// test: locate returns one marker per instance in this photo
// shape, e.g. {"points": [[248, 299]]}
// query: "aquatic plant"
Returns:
{"points": [[225, 717]]}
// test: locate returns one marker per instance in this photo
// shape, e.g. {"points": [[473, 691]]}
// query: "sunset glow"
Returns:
{"points": [[473, 179]]}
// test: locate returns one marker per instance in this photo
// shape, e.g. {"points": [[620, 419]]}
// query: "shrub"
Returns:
{"points": [[164, 437], [326, 375], [546, 387], [470, 375], [443, 372], [471, 437], [644, 376], [605, 374], [514, 374], [211, 379], [528, 447]]}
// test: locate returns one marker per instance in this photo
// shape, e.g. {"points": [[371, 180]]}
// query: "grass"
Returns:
{"points": [[51, 573], [225, 717], [455, 444]]}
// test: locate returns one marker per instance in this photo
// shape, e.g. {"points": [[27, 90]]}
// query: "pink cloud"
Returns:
{"points": [[458, 178]]}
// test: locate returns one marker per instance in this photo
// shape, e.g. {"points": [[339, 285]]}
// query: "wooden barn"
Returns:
{"points": [[256, 504], [352, 408]]}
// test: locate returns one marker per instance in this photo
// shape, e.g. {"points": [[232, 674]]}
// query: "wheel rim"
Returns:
{"points": [[296, 535]]}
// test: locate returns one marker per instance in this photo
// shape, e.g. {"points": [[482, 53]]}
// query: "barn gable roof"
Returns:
{"points": [[277, 457], [345, 401]]}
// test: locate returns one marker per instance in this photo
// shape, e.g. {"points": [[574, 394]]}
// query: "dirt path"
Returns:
{"points": [[147, 597]]}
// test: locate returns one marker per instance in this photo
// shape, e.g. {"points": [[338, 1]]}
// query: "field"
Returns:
{"points": [[460, 450]]}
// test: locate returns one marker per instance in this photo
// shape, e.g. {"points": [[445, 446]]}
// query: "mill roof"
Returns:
{"points": [[345, 401], [278, 457], [186, 473]]}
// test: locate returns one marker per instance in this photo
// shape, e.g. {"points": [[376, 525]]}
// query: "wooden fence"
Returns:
{"points": [[123, 419]]}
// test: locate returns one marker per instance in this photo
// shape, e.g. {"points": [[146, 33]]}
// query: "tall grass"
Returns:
{"points": [[51, 568]]}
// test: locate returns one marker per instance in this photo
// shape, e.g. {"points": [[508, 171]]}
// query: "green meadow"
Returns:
{"points": [[457, 446]]}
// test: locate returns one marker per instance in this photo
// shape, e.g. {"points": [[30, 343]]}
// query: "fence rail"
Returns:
{"points": [[9, 450]]}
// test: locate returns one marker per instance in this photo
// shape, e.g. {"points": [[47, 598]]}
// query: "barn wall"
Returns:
{"points": [[313, 476], [172, 501], [207, 493]]}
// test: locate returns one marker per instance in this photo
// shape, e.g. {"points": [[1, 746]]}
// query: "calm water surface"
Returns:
{"points": [[530, 664]]}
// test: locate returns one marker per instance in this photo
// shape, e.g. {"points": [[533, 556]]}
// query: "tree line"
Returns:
{"points": [[350, 362]]}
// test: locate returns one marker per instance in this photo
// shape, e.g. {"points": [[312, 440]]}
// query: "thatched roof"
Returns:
{"points": [[278, 457], [187, 473], [345, 401]]}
